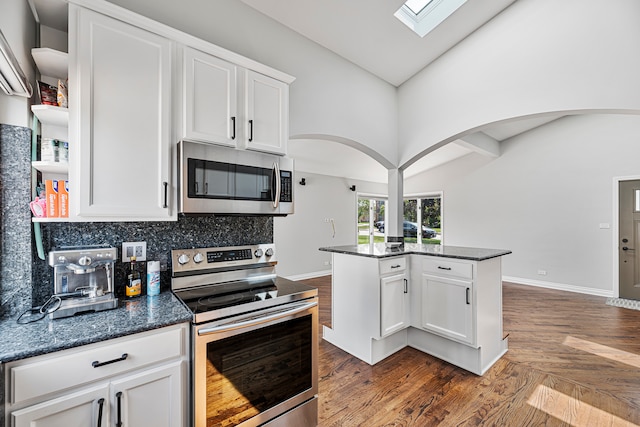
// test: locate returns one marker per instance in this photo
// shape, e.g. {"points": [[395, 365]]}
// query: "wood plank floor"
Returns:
{"points": [[572, 361]]}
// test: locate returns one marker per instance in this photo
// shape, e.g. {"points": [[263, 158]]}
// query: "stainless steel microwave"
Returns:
{"points": [[221, 180]]}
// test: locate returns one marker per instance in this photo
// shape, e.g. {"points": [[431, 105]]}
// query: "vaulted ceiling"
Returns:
{"points": [[366, 33]]}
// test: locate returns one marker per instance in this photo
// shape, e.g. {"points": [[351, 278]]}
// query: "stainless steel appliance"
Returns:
{"points": [[221, 180], [254, 338], [83, 280]]}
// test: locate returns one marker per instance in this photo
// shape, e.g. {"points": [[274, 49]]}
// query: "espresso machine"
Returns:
{"points": [[83, 280]]}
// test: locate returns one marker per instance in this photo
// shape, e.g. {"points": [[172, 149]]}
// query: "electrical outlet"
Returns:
{"points": [[137, 249], [542, 272]]}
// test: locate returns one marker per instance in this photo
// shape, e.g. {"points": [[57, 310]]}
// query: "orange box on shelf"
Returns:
{"points": [[53, 203], [63, 198]]}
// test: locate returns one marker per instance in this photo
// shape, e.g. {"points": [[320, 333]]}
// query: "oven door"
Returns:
{"points": [[252, 368]]}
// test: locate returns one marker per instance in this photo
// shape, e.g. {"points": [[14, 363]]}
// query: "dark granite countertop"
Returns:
{"points": [[130, 317], [379, 250]]}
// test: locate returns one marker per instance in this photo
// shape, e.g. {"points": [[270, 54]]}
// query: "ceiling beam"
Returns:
{"points": [[480, 143]]}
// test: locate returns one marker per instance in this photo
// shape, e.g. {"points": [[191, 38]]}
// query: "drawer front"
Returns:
{"points": [[393, 265], [448, 268], [42, 375]]}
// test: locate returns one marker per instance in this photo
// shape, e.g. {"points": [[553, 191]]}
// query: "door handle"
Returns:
{"points": [[100, 407], [467, 296], [233, 127], [624, 248], [406, 286], [119, 409], [250, 130], [166, 193]]}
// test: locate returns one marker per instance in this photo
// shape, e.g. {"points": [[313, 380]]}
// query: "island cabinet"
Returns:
{"points": [[443, 300], [136, 380], [370, 306], [457, 311]]}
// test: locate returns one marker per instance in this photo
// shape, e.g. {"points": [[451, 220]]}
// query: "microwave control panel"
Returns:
{"points": [[286, 188]]}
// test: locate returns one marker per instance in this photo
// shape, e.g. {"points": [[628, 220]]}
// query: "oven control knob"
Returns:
{"points": [[84, 261], [198, 258], [183, 259], [269, 252], [258, 253]]}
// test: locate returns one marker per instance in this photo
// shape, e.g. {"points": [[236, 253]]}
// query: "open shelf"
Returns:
{"points": [[45, 219], [51, 62], [51, 167], [51, 114]]}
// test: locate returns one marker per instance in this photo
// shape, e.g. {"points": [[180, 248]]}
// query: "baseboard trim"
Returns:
{"points": [[312, 275], [558, 286]]}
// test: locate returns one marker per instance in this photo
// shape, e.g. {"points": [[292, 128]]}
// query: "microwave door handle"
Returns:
{"points": [[276, 172]]}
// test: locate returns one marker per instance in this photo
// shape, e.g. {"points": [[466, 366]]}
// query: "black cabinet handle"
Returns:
{"points": [[406, 286], [396, 266], [250, 130], [166, 192], [100, 406], [119, 409], [444, 268], [97, 364], [467, 295], [233, 127]]}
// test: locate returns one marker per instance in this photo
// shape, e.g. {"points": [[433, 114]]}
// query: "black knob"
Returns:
{"points": [[624, 248], [625, 240]]}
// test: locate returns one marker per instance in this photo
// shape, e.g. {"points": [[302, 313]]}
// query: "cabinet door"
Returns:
{"points": [[394, 303], [209, 99], [447, 308], [266, 113], [79, 409], [151, 398], [121, 148]]}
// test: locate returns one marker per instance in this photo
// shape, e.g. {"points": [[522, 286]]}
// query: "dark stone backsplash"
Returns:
{"points": [[15, 218], [161, 238], [26, 280]]}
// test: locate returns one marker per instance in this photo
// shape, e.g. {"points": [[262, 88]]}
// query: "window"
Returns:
{"points": [[371, 219], [422, 16], [427, 211]]}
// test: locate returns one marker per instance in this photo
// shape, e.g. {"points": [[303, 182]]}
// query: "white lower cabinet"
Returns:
{"points": [[82, 408], [394, 298], [447, 308], [370, 306], [149, 398], [138, 380]]}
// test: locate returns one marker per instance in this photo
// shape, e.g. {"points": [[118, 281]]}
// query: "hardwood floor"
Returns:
{"points": [[572, 361]]}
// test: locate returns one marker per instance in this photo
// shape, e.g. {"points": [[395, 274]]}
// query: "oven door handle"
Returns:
{"points": [[257, 320]]}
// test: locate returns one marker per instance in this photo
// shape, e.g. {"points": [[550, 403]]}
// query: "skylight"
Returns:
{"points": [[422, 16]]}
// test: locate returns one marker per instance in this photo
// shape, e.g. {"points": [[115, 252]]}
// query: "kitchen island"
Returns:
{"points": [[443, 300]]}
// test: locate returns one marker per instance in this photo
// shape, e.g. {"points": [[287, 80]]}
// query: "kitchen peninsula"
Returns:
{"points": [[443, 300]]}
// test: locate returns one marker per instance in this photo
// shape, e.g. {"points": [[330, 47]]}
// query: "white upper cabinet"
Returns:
{"points": [[226, 104], [266, 113], [210, 107], [121, 120]]}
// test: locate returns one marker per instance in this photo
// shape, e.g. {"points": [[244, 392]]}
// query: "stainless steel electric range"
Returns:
{"points": [[254, 338]]}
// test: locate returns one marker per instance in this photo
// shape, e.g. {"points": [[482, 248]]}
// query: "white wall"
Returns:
{"points": [[544, 199], [298, 236], [331, 96], [537, 56], [18, 26]]}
